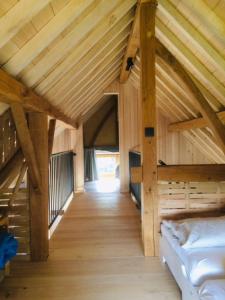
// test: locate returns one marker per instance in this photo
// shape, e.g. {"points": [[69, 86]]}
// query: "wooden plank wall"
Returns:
{"points": [[72, 140], [63, 140], [173, 147]]}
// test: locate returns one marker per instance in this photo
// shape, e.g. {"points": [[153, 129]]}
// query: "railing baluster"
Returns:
{"points": [[135, 188], [60, 182]]}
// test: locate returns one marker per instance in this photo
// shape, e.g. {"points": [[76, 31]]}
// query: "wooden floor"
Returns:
{"points": [[96, 254]]}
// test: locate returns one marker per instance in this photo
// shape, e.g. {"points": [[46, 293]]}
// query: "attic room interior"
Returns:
{"points": [[112, 149]]}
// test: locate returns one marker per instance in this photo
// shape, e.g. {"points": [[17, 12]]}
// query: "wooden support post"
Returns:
{"points": [[79, 160], [149, 145], [51, 133], [38, 126]]}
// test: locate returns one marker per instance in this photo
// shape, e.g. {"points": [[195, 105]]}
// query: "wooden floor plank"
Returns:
{"points": [[95, 254]]}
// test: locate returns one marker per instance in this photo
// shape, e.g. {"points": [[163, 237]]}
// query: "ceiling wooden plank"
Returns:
{"points": [[26, 144], [71, 40], [207, 112], [96, 96], [132, 46], [45, 36], [191, 33], [97, 87], [103, 74], [89, 59], [195, 123], [207, 21], [191, 62], [17, 17], [99, 37], [13, 91], [106, 59]]}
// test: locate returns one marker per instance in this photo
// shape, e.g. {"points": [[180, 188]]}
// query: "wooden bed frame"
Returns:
{"points": [[169, 257], [173, 261]]}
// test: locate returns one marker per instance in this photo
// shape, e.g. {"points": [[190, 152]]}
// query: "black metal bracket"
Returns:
{"points": [[130, 63]]}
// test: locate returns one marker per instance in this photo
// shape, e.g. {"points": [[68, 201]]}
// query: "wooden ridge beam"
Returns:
{"points": [[132, 47], [13, 91], [193, 124], [199, 173], [201, 103], [26, 144]]}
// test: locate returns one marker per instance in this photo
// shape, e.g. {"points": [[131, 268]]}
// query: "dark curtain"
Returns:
{"points": [[90, 169]]}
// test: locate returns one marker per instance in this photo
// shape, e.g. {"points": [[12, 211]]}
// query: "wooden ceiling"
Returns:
{"points": [[69, 51]]}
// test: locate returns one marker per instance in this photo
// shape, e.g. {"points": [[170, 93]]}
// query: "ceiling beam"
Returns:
{"points": [[201, 103], [132, 47], [193, 124], [13, 91], [198, 173]]}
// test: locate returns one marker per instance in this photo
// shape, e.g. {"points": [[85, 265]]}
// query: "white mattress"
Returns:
{"points": [[200, 264], [212, 290]]}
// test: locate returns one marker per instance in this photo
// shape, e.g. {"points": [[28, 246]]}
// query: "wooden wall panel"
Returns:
{"points": [[62, 140], [129, 128], [173, 147], [72, 140]]}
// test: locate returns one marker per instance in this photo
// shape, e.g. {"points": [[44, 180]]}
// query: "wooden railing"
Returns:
{"points": [[135, 188], [9, 143], [187, 189], [61, 183], [14, 202]]}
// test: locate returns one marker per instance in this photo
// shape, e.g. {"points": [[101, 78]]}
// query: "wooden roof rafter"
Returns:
{"points": [[202, 104]]}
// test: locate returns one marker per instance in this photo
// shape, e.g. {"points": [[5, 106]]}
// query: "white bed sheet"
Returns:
{"points": [[200, 264], [212, 290]]}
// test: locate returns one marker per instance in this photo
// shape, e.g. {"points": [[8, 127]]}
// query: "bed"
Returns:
{"points": [[195, 266]]}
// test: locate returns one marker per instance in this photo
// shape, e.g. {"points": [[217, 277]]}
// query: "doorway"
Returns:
{"points": [[101, 147]]}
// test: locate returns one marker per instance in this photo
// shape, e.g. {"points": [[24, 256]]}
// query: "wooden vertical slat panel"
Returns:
{"points": [[149, 144]]}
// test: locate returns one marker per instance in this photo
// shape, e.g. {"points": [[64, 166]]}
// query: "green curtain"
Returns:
{"points": [[90, 168]]}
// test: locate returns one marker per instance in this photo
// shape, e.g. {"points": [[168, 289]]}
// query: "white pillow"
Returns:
{"points": [[192, 233], [207, 233]]}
